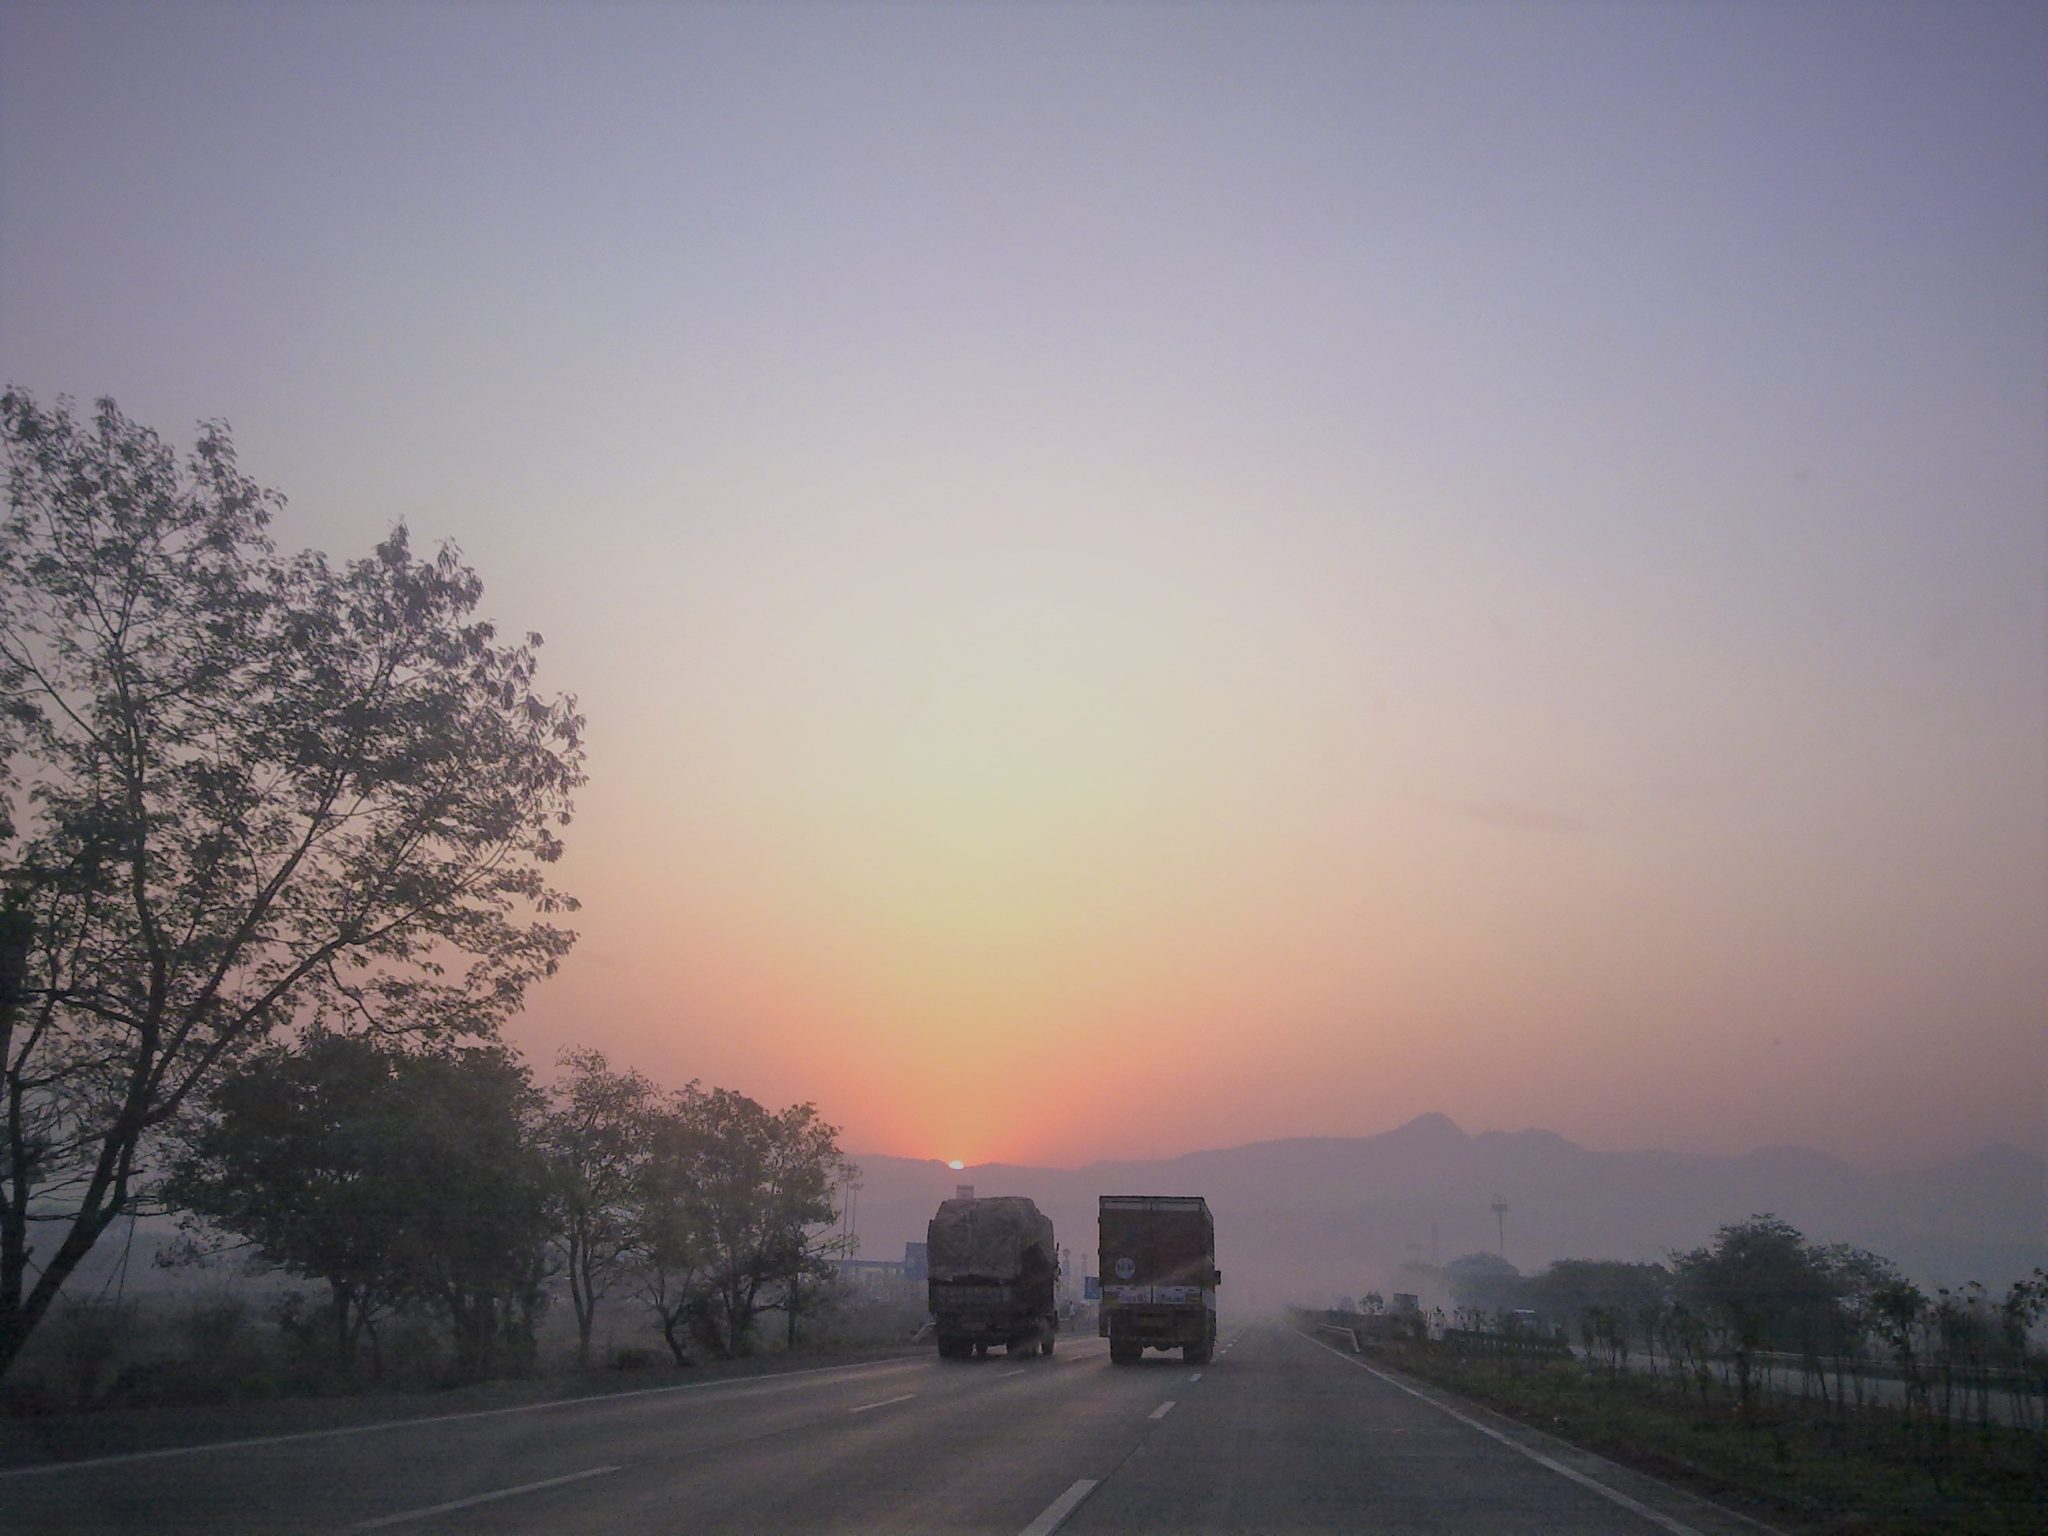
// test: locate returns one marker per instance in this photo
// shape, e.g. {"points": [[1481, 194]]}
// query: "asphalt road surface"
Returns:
{"points": [[1279, 1434]]}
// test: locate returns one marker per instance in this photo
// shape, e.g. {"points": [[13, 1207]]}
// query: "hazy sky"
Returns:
{"points": [[1152, 577]]}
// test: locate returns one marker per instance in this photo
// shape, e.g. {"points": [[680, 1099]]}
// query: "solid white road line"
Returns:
{"points": [[1163, 1409], [885, 1402], [761, 1384], [1050, 1517], [1017, 1372], [1633, 1506], [481, 1498]]}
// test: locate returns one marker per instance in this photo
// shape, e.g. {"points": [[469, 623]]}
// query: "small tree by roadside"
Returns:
{"points": [[1760, 1283], [293, 1161], [596, 1133], [407, 1181], [1483, 1283], [475, 1216], [734, 1205]]}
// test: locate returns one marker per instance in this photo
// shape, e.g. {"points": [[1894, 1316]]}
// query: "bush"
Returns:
{"points": [[90, 1337]]}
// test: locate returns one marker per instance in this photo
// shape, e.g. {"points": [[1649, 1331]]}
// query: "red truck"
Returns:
{"points": [[1159, 1276]]}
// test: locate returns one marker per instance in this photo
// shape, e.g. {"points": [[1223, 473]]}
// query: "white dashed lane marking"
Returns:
{"points": [[481, 1498], [1050, 1517], [885, 1402]]}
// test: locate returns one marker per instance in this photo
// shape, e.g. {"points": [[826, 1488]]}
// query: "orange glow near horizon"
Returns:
{"points": [[1117, 617], [1022, 869]]}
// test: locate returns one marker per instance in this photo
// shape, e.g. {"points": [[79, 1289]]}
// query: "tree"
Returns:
{"points": [[475, 1222], [732, 1197], [2024, 1305], [294, 1160], [1858, 1278], [597, 1127], [1605, 1299], [1899, 1314], [238, 792], [672, 1249], [809, 1178], [1765, 1286], [414, 1180], [1483, 1282]]}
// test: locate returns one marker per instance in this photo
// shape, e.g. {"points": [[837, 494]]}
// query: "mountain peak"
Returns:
{"points": [[1433, 1126]]}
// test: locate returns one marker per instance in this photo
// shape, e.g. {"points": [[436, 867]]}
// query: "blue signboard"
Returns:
{"points": [[1091, 1287]]}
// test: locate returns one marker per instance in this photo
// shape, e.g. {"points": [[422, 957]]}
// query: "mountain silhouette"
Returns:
{"points": [[1311, 1218]]}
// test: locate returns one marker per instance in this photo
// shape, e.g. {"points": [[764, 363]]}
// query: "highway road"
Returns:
{"points": [[1278, 1434]]}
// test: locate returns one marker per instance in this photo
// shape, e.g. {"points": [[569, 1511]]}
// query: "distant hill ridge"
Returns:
{"points": [[1337, 1215]]}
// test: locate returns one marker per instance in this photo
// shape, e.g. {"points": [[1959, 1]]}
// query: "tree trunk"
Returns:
{"points": [[19, 1315], [344, 1335], [581, 1295], [670, 1324]]}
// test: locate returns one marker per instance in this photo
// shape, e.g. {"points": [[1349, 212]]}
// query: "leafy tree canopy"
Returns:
{"points": [[399, 1179], [238, 791], [733, 1197]]}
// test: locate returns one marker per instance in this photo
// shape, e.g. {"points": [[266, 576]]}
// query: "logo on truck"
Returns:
{"points": [[1126, 1267]]}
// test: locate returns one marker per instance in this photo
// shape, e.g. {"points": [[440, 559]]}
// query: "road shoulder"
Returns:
{"points": [[1677, 1509], [44, 1439]]}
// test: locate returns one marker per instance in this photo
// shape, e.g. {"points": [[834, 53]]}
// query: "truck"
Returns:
{"points": [[991, 1276], [1158, 1262]]}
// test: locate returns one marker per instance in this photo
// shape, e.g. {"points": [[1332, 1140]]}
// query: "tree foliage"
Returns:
{"points": [[293, 1163], [732, 1199], [237, 791], [1766, 1288], [596, 1132], [409, 1180], [1483, 1282]]}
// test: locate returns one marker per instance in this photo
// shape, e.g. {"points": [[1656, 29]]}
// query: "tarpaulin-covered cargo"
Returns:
{"points": [[1001, 1237]]}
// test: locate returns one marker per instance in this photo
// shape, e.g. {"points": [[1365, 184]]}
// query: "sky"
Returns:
{"points": [[1147, 578]]}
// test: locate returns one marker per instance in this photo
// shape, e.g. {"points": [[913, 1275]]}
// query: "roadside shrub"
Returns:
{"points": [[90, 1338]]}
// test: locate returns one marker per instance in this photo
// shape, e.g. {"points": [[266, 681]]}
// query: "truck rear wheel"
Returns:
{"points": [[1121, 1353]]}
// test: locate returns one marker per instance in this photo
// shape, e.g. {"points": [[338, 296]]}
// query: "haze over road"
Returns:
{"points": [[1278, 1434]]}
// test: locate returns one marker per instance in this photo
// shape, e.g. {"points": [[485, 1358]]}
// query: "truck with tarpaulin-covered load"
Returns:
{"points": [[1157, 1255], [992, 1271]]}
